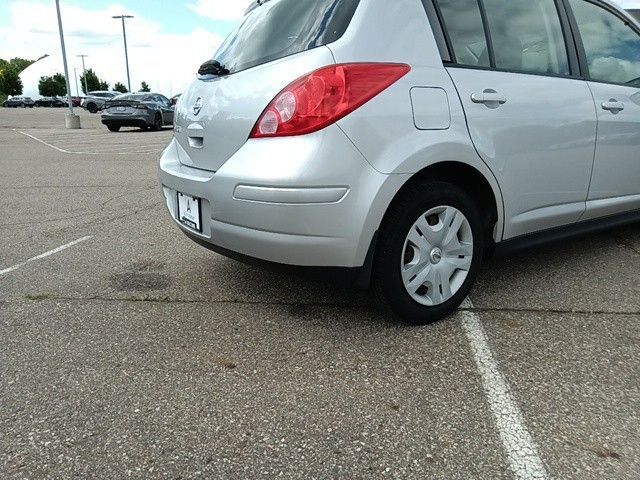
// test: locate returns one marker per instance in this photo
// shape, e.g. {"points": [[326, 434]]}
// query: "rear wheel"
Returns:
{"points": [[113, 128], [429, 252], [157, 122], [92, 108]]}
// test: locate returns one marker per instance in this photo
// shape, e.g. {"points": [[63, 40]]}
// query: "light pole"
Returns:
{"points": [[126, 53], [84, 74], [72, 121], [75, 76]]}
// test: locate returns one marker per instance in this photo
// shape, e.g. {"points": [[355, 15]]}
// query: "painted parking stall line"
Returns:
{"points": [[518, 443], [43, 256], [139, 150]]}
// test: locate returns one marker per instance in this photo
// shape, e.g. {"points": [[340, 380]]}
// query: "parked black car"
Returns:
{"points": [[16, 102], [142, 110], [50, 102]]}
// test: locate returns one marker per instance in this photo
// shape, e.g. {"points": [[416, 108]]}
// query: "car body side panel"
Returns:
{"points": [[615, 186], [384, 129], [540, 144]]}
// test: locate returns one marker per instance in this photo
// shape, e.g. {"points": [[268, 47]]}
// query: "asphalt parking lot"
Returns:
{"points": [[127, 351]]}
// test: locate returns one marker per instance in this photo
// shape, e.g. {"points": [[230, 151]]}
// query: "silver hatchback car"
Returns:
{"points": [[407, 140]]}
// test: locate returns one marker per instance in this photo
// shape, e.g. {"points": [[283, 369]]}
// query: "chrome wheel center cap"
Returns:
{"points": [[436, 255]]}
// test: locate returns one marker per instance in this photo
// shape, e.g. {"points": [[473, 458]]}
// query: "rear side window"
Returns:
{"points": [[611, 45], [280, 28], [464, 26], [527, 36]]}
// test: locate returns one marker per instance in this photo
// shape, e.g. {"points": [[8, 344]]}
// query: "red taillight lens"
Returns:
{"points": [[323, 97]]}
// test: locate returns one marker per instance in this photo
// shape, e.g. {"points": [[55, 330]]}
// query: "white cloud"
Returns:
{"points": [[165, 61], [228, 10]]}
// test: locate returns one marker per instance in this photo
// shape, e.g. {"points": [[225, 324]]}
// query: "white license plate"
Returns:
{"points": [[121, 109], [189, 211]]}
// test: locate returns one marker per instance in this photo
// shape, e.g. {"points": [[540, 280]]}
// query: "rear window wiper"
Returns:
{"points": [[213, 67], [255, 5]]}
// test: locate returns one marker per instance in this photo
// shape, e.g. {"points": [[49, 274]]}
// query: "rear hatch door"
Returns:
{"points": [[276, 43]]}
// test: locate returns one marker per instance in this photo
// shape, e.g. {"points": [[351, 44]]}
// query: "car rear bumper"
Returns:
{"points": [[127, 120], [304, 201]]}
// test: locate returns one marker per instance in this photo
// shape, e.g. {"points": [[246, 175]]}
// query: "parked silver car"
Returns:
{"points": [[94, 101], [22, 102], [407, 139], [142, 110]]}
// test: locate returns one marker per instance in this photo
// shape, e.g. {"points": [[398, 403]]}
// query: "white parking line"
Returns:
{"points": [[61, 150], [520, 447], [44, 255]]}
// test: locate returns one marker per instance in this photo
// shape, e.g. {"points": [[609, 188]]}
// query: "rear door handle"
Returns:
{"points": [[613, 106], [489, 97]]}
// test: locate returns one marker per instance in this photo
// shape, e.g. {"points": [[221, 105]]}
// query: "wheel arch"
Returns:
{"points": [[480, 185], [472, 181]]}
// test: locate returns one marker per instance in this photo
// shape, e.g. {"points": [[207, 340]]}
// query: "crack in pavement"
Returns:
{"points": [[552, 311], [163, 300], [168, 300]]}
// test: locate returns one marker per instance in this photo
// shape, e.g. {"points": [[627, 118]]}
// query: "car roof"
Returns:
{"points": [[619, 8]]}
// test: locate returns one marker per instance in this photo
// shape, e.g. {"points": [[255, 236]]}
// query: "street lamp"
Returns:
{"points": [[75, 76], [126, 53], [72, 121], [84, 74]]}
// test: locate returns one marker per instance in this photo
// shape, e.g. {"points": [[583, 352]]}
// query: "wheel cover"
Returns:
{"points": [[437, 256]]}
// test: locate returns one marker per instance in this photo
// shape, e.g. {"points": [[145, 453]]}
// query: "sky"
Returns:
{"points": [[168, 39]]}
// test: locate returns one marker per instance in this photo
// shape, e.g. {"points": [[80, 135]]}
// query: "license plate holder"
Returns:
{"points": [[190, 211]]}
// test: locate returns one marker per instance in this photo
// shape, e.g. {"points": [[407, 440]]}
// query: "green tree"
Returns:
{"points": [[20, 63], [119, 87], [10, 83], [145, 87], [55, 86], [93, 82]]}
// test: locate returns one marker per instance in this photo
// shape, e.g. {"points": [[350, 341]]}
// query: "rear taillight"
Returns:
{"points": [[323, 97]]}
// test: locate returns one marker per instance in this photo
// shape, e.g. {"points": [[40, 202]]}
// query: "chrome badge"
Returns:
{"points": [[197, 107]]}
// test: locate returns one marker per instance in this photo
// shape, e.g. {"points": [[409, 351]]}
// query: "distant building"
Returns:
{"points": [[103, 66], [45, 67]]}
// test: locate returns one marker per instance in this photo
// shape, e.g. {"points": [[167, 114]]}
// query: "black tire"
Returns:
{"points": [[92, 108], [113, 128], [157, 123], [416, 200]]}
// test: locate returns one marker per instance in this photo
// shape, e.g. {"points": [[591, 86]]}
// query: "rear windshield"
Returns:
{"points": [[134, 97], [280, 28]]}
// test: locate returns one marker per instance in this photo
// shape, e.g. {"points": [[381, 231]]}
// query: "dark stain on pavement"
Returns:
{"points": [[604, 452], [144, 276], [226, 363]]}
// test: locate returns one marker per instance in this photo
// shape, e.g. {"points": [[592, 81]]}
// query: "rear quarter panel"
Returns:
{"points": [[384, 129]]}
